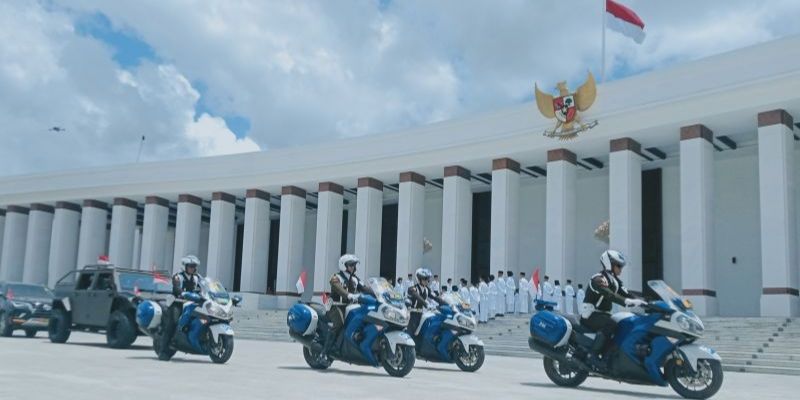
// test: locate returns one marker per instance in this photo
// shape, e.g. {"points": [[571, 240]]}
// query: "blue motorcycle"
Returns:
{"points": [[372, 333], [653, 345], [446, 335]]}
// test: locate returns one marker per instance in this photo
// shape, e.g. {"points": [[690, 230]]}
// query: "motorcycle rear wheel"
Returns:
{"points": [[315, 359], [563, 375], [694, 385]]}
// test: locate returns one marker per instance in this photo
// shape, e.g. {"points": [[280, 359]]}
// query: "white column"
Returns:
{"points": [[169, 249], [64, 241], [2, 229], [291, 237], [369, 221], [328, 246], [352, 212], [504, 235], [15, 233], [255, 244], [123, 225], [92, 237], [187, 229], [154, 233], [625, 207], [560, 221], [221, 239], [697, 224], [137, 246], [203, 254], [779, 270], [37, 244], [410, 223], [456, 224]]}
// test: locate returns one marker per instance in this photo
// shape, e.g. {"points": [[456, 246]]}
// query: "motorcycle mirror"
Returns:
{"points": [[237, 300]]}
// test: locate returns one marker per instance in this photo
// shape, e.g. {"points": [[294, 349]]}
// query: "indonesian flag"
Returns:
{"points": [[158, 278], [103, 260], [623, 20], [301, 283], [535, 278]]}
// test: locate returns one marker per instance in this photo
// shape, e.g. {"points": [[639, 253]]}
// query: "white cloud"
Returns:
{"points": [[214, 138]]}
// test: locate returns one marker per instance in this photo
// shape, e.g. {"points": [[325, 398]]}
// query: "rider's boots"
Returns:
{"points": [[595, 360]]}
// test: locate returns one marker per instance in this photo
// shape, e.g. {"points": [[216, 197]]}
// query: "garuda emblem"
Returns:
{"points": [[565, 108]]}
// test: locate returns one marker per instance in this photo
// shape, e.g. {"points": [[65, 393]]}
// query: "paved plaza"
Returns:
{"points": [[32, 369]]}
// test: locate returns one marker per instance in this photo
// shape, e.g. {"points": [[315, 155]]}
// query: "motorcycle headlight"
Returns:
{"points": [[466, 322], [691, 325], [47, 307], [394, 315]]}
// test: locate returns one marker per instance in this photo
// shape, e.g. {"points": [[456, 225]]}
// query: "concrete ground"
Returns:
{"points": [[32, 369]]}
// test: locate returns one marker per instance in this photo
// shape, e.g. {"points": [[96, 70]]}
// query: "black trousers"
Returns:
{"points": [[413, 322], [601, 322]]}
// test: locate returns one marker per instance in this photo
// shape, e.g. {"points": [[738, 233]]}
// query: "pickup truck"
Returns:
{"points": [[103, 298]]}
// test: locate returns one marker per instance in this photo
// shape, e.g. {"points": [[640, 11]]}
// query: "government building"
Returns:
{"points": [[694, 166]]}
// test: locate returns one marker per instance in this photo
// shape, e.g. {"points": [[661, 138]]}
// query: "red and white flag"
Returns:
{"points": [[623, 20], [301, 283]]}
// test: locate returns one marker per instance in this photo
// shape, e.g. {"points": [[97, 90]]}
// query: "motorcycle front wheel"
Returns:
{"points": [[469, 360], [563, 375], [401, 362], [315, 359], [700, 384], [222, 351]]}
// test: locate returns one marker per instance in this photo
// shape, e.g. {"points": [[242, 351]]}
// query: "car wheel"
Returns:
{"points": [[121, 330], [6, 327], [29, 333], [59, 327]]}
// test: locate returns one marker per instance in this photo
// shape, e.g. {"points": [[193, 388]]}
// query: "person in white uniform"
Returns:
{"points": [[436, 286], [569, 297], [523, 298], [558, 296], [511, 296], [502, 290], [399, 287], [474, 299], [493, 293], [463, 291], [547, 289], [407, 283], [580, 295], [483, 306]]}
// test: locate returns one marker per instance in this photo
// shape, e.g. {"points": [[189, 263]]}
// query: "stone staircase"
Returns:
{"points": [[760, 345]]}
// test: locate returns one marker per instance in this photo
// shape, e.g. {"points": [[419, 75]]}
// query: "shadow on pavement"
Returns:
{"points": [[105, 346], [587, 390], [175, 360], [337, 371], [437, 369]]}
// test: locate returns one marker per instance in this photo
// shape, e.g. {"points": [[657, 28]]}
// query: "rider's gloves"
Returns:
{"points": [[353, 297], [634, 302]]}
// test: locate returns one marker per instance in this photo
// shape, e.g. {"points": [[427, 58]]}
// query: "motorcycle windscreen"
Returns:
{"points": [[669, 296]]}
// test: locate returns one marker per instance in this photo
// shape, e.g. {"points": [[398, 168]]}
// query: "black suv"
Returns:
{"points": [[104, 298], [24, 306]]}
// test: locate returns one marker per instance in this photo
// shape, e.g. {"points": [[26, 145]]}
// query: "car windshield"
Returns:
{"points": [[145, 282], [213, 289], [669, 295], [18, 290], [384, 292]]}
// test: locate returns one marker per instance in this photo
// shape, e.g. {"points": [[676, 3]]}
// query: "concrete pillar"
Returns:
{"points": [[255, 244], [697, 212], [291, 236], [410, 223], [92, 237], [328, 246], [14, 236], [625, 207], [369, 221], [37, 244], [561, 208], [2, 228], [123, 225], [169, 249], [154, 233], [221, 239], [504, 236], [352, 212], [779, 270], [456, 224], [64, 241], [187, 229], [137, 246]]}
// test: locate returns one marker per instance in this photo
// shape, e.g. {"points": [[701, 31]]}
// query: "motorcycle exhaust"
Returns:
{"points": [[306, 341], [559, 356]]}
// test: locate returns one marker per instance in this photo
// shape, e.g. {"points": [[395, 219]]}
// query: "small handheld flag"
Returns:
{"points": [[301, 283]]}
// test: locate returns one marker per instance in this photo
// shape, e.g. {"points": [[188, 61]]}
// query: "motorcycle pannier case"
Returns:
{"points": [[548, 327], [302, 319]]}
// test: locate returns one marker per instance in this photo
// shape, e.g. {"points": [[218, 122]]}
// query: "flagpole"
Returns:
{"points": [[603, 46]]}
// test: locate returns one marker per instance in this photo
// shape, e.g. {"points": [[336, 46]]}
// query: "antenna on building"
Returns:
{"points": [[141, 145]]}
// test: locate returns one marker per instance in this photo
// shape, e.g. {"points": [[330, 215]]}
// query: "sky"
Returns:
{"points": [[213, 77]]}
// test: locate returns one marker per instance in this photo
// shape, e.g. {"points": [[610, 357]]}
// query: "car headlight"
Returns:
{"points": [[394, 315], [466, 322]]}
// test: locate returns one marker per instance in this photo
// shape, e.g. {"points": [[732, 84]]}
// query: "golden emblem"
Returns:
{"points": [[565, 108]]}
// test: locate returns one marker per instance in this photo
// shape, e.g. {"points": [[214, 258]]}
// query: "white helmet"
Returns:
{"points": [[346, 260], [610, 258], [423, 273], [190, 261]]}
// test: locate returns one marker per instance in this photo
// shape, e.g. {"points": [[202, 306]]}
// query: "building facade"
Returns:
{"points": [[694, 167]]}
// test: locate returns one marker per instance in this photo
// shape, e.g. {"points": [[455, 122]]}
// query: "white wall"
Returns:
{"points": [[433, 231]]}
